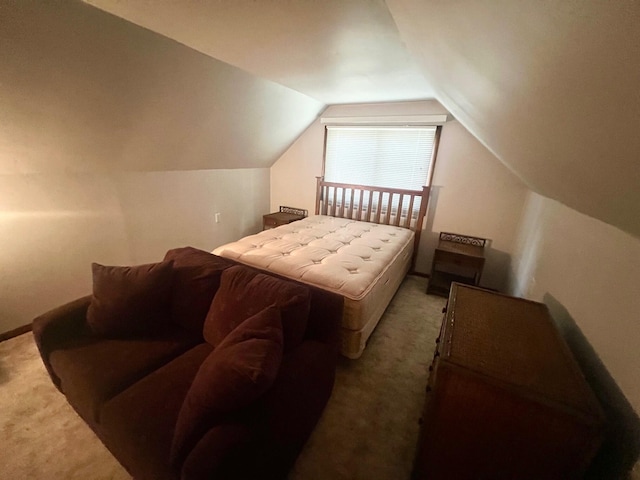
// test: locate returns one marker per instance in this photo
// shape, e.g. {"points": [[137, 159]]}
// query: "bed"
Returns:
{"points": [[360, 243]]}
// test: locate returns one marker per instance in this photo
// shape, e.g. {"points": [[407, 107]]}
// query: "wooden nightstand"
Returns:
{"points": [[284, 216], [458, 258]]}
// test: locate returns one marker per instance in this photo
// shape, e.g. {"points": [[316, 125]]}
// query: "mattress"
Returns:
{"points": [[364, 262]]}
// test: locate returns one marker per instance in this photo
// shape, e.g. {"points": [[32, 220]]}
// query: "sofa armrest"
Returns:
{"points": [[56, 327]]}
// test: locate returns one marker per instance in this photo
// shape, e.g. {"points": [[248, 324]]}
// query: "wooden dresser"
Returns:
{"points": [[505, 397]]}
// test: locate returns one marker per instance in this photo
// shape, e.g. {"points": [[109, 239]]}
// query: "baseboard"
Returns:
{"points": [[15, 332], [419, 274]]}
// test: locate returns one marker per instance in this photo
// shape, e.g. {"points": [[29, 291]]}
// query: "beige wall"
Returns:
{"points": [[163, 210], [588, 274], [593, 270], [52, 226], [473, 192]]}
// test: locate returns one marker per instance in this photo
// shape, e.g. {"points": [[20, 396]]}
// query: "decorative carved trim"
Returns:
{"points": [[294, 211], [464, 239]]}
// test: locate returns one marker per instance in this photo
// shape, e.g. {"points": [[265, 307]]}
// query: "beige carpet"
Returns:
{"points": [[369, 429]]}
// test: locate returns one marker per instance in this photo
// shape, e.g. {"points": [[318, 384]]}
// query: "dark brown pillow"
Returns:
{"points": [[232, 377], [195, 282], [194, 257], [244, 292], [130, 300]]}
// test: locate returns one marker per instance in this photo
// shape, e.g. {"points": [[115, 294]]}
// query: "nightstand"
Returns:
{"points": [[282, 217], [458, 258]]}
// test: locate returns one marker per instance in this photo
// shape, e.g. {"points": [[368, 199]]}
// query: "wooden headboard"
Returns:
{"points": [[386, 206]]}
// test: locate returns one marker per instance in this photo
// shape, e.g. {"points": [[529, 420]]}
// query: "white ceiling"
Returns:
{"points": [[334, 51], [550, 87]]}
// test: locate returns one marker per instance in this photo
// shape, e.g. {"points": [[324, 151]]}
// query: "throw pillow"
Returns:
{"points": [[194, 257], [232, 377], [244, 292], [195, 282], [130, 300]]}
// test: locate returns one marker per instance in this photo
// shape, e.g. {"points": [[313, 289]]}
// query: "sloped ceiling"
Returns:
{"points": [[551, 87], [85, 91], [335, 51]]}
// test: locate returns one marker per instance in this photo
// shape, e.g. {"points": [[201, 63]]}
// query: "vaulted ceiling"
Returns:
{"points": [[335, 51], [550, 87]]}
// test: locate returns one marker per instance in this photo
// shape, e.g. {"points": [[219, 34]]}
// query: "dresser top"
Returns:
{"points": [[515, 342]]}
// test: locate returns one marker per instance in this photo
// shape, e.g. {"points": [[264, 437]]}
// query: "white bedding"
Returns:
{"points": [[344, 256]]}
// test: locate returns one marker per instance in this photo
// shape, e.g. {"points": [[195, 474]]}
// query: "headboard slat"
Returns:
{"points": [[399, 212], [410, 212], [360, 200], [378, 207]]}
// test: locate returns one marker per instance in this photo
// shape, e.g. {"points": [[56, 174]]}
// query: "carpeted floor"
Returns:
{"points": [[369, 429]]}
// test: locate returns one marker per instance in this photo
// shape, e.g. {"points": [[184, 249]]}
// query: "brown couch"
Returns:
{"points": [[169, 401]]}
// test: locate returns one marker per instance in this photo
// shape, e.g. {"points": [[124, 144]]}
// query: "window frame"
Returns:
{"points": [[434, 152]]}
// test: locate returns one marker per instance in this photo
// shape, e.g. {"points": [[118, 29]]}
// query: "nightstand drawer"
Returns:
{"points": [[458, 259], [270, 222]]}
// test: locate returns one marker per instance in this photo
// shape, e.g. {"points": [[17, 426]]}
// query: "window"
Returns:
{"points": [[397, 157], [380, 156]]}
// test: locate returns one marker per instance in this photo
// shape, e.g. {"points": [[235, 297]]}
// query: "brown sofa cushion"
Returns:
{"points": [[130, 300], [237, 372], [92, 370], [244, 292], [196, 280], [137, 425]]}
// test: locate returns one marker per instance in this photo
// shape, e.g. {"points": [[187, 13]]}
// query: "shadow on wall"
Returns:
{"points": [[621, 445], [497, 265], [496, 269]]}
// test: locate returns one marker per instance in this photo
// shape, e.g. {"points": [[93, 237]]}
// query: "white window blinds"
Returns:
{"points": [[394, 157]]}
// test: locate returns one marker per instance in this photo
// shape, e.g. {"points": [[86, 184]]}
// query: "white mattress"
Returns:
{"points": [[364, 262]]}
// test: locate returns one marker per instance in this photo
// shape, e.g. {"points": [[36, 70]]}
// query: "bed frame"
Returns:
{"points": [[405, 209], [386, 206]]}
